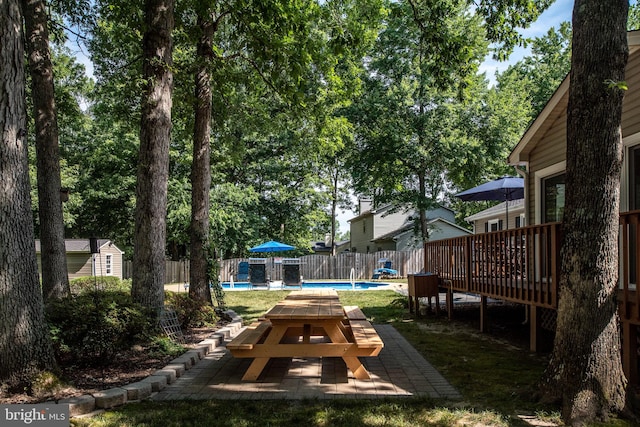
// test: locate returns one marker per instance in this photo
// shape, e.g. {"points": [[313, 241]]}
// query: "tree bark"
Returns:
{"points": [[55, 278], [25, 346], [201, 169], [153, 161], [334, 207], [585, 370]]}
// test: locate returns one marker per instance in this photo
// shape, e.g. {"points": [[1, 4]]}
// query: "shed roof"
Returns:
{"points": [[80, 245]]}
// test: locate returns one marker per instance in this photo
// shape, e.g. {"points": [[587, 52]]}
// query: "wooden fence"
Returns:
{"points": [[312, 267]]}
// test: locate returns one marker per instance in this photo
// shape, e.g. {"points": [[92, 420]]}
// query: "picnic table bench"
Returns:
{"points": [[308, 326], [250, 336], [353, 312]]}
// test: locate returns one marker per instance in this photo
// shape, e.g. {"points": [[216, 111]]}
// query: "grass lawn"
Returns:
{"points": [[497, 381]]}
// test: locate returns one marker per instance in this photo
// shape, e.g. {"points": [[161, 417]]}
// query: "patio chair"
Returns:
{"points": [[291, 273], [386, 271], [258, 273], [243, 271]]}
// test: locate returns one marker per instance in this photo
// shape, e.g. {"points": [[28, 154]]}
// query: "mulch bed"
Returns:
{"points": [[124, 368]]}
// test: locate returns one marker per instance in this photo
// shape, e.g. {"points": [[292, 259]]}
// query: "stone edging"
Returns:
{"points": [[87, 404]]}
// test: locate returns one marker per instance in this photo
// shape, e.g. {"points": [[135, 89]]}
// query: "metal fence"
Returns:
{"points": [[312, 267]]}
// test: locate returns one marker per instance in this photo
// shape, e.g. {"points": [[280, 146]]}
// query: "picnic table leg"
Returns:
{"points": [[356, 366], [258, 364], [353, 363]]}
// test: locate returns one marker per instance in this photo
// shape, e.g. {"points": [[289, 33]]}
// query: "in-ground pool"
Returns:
{"points": [[338, 286]]}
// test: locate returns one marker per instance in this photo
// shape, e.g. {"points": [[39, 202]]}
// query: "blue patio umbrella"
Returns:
{"points": [[272, 246], [502, 189]]}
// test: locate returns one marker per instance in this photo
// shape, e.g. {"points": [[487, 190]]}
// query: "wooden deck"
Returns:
{"points": [[522, 266]]}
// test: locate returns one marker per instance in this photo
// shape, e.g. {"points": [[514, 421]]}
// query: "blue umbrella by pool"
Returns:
{"points": [[272, 246], [502, 189]]}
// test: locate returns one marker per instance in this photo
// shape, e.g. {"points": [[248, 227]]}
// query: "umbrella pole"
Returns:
{"points": [[506, 206]]}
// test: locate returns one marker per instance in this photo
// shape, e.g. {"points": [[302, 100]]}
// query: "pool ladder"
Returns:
{"points": [[352, 278]]}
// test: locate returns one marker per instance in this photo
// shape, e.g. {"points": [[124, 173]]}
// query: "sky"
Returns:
{"points": [[557, 13]]}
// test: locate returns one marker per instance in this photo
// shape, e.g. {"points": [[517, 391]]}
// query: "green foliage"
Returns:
{"points": [[504, 17], [96, 325], [541, 72], [161, 346], [45, 384], [634, 17], [191, 313], [90, 284], [420, 114], [284, 74], [611, 84]]}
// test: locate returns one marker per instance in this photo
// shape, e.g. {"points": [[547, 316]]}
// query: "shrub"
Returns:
{"points": [[163, 346], [89, 284], [45, 384], [191, 313], [96, 325]]}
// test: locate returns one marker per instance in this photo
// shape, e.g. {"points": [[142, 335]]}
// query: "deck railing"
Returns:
{"points": [[522, 264], [518, 265], [628, 298]]}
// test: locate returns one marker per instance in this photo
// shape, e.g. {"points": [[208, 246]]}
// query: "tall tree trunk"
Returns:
{"points": [[201, 168], [25, 347], [153, 162], [334, 208], [55, 278], [422, 209], [585, 368]]}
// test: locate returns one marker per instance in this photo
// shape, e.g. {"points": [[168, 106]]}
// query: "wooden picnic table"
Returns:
{"points": [[313, 293], [307, 325]]}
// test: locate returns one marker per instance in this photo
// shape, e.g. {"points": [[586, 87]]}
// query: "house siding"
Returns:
{"points": [[380, 223], [480, 226], [387, 223], [79, 264], [441, 230], [550, 148], [631, 104], [361, 232], [116, 262]]}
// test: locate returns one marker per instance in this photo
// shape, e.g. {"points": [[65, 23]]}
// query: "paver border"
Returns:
{"points": [[88, 404]]}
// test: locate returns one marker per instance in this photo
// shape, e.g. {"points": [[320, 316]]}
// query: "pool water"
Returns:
{"points": [[338, 286]]}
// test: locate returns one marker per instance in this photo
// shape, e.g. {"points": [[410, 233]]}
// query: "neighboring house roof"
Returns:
{"points": [[554, 109], [393, 235], [322, 246], [383, 209], [80, 245], [497, 210]]}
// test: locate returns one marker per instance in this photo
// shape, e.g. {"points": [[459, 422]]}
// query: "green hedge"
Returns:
{"points": [[88, 284], [96, 325], [190, 312]]}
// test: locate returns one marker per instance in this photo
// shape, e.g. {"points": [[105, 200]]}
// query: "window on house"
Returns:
{"points": [[520, 221], [108, 264], [494, 225], [553, 198]]}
